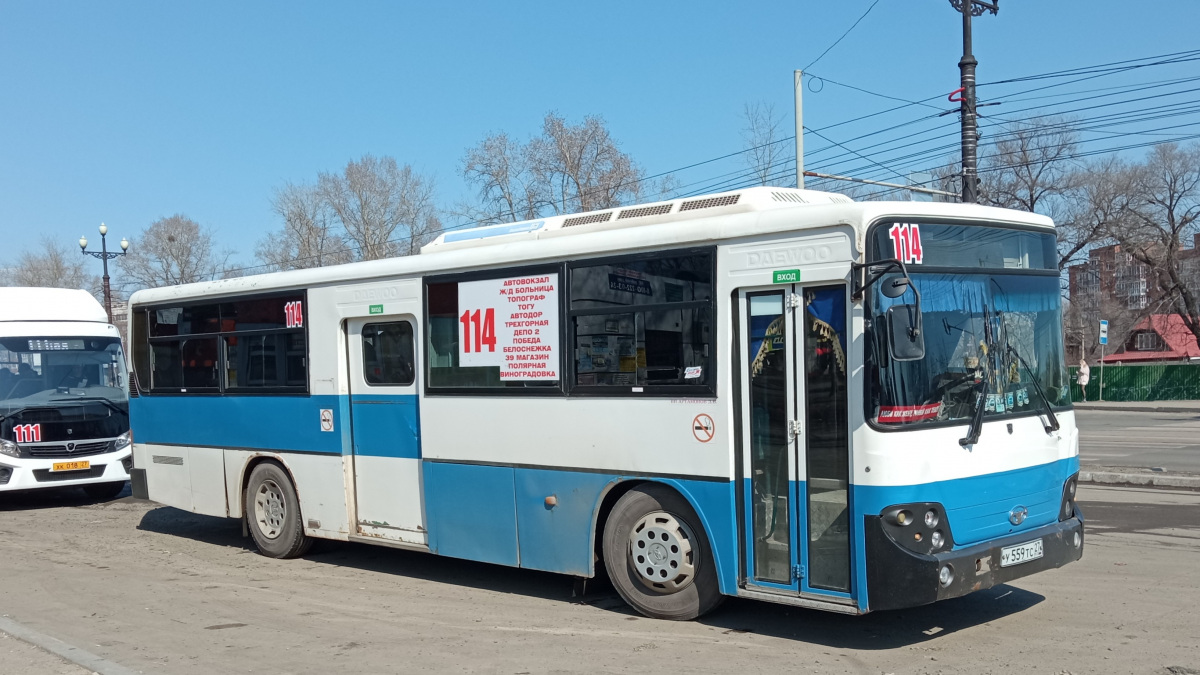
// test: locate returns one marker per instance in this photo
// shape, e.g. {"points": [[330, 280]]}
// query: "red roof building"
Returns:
{"points": [[1158, 337]]}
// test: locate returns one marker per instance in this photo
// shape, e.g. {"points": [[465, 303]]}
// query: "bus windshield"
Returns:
{"points": [[995, 333], [54, 372]]}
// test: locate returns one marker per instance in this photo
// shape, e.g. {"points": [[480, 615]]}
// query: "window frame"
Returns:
{"points": [[870, 368], [142, 352], [412, 331], [701, 391], [482, 275]]}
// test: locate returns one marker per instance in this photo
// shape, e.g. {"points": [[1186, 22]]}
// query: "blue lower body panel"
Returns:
{"points": [[499, 514]]}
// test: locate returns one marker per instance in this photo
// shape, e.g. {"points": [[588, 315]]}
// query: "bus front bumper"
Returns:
{"points": [[898, 578], [31, 474]]}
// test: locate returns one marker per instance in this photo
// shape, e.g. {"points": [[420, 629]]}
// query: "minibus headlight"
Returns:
{"points": [[123, 441], [9, 448]]}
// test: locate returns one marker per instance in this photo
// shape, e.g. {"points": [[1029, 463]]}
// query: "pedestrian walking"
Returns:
{"points": [[1085, 374]]}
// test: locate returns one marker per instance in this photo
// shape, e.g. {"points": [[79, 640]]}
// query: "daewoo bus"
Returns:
{"points": [[772, 393], [64, 410]]}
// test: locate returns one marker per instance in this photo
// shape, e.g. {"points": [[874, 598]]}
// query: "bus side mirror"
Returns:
{"points": [[904, 334]]}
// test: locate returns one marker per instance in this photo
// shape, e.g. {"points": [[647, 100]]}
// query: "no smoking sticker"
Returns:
{"points": [[326, 419], [703, 428]]}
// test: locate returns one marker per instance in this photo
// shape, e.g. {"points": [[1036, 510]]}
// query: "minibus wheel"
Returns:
{"points": [[273, 513], [657, 555]]}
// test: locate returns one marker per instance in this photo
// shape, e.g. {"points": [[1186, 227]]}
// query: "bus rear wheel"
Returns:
{"points": [[273, 513], [658, 557]]}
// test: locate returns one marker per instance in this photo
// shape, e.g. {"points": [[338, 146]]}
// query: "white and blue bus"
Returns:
{"points": [[772, 393]]}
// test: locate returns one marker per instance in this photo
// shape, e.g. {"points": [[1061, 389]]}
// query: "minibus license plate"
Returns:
{"points": [[1021, 553], [70, 466]]}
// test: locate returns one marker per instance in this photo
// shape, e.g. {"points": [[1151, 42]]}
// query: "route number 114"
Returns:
{"points": [[484, 333]]}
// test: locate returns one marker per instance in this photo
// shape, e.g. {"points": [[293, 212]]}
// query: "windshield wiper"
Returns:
{"points": [[101, 399], [976, 426], [13, 413], [1053, 426]]}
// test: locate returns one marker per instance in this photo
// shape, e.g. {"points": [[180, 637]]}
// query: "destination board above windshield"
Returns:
{"points": [[980, 246]]}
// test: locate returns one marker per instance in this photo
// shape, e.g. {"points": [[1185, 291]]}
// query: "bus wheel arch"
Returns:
{"points": [[271, 509], [657, 552]]}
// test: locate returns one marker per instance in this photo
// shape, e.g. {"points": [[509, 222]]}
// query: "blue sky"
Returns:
{"points": [[125, 112]]}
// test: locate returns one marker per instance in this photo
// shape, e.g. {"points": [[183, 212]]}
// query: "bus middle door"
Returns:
{"points": [[385, 429]]}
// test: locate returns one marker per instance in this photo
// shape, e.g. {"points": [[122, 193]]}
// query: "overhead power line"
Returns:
{"points": [[843, 36]]}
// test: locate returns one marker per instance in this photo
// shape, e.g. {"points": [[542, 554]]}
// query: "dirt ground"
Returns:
{"points": [[158, 590]]}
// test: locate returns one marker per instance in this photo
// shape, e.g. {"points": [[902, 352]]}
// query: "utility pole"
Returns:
{"points": [[799, 84], [970, 131]]}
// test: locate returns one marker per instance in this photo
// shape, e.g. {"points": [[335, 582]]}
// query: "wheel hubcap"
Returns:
{"points": [[270, 510], [660, 551]]}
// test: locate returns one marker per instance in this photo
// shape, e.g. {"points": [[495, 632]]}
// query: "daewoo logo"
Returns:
{"points": [[1017, 515]]}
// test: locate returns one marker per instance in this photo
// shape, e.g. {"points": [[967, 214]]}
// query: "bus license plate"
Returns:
{"points": [[70, 466], [1021, 553]]}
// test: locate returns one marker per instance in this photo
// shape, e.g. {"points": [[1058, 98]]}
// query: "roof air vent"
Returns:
{"points": [[709, 202], [645, 211], [588, 219], [788, 197]]}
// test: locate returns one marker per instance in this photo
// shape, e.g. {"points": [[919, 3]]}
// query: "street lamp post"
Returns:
{"points": [[104, 255]]}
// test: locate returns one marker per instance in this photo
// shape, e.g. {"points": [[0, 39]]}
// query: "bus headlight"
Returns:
{"points": [[9, 448], [927, 533], [123, 441], [1067, 506]]}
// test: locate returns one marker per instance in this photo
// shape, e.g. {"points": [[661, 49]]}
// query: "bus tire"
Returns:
{"points": [[102, 492], [658, 557], [272, 512]]}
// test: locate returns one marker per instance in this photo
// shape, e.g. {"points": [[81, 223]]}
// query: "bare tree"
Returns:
{"points": [[173, 250], [1162, 218], [764, 146], [1094, 207], [1028, 167], [581, 168], [56, 265], [565, 169], [386, 209], [311, 235], [501, 170]]}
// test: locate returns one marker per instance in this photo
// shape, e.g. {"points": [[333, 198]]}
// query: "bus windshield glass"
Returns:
{"points": [[54, 372], [995, 333]]}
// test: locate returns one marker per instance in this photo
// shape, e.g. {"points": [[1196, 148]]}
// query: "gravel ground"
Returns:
{"points": [[159, 590]]}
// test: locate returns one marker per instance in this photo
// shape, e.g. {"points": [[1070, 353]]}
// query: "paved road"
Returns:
{"points": [[1170, 441], [158, 590]]}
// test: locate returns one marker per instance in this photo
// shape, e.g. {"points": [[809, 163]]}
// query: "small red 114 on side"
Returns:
{"points": [[906, 241], [293, 314]]}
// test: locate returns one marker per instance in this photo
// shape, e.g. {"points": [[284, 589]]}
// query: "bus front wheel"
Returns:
{"points": [[657, 555], [273, 513]]}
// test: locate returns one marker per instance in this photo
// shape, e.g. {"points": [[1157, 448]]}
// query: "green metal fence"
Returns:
{"points": [[1154, 382]]}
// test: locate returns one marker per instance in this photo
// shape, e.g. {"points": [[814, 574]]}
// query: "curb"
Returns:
{"points": [[1132, 408], [1158, 480]]}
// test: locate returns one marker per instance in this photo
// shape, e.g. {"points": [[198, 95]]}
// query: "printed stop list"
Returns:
{"points": [[511, 324]]}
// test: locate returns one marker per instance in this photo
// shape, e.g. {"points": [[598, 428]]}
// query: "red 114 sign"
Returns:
{"points": [[293, 314], [906, 241]]}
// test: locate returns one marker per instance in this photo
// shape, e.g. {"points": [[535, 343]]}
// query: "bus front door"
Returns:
{"points": [[385, 429], [795, 440]]}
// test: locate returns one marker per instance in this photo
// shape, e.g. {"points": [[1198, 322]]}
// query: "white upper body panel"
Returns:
{"points": [[49, 304], [758, 213]]}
